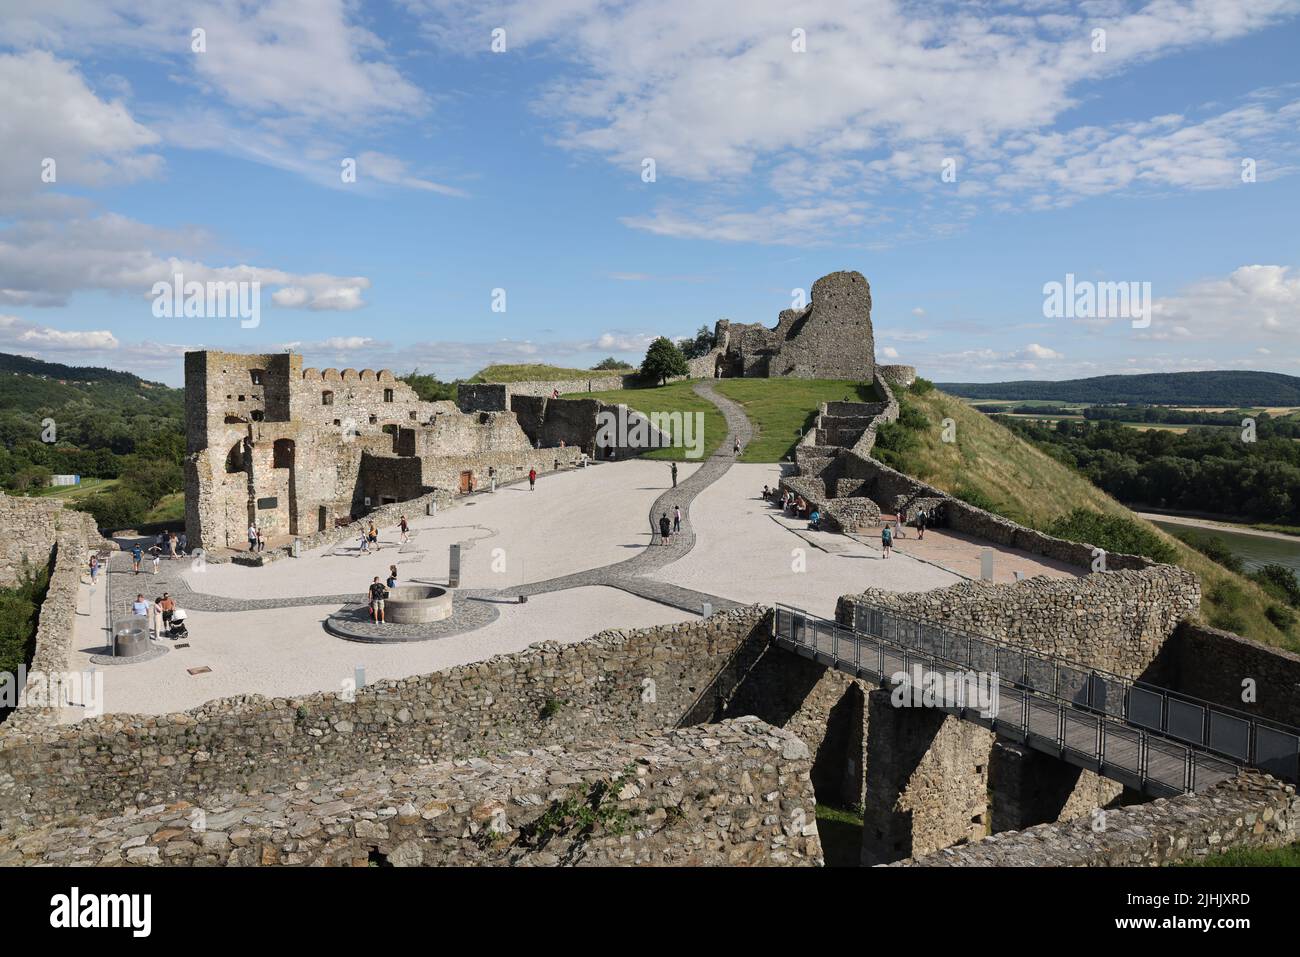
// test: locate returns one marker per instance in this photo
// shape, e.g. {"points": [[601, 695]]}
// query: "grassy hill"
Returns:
{"points": [[989, 464], [535, 372], [780, 410], [1219, 388]]}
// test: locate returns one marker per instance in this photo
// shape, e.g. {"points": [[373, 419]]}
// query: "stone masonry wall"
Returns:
{"points": [[1275, 672], [736, 793], [29, 528], [1252, 811], [1114, 621], [614, 684]]}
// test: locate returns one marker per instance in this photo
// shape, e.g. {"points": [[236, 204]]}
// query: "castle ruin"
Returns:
{"points": [[830, 338], [295, 451]]}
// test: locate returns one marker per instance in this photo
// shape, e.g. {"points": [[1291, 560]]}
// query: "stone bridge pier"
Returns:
{"points": [[925, 780]]}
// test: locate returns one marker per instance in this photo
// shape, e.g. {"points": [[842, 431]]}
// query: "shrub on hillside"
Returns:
{"points": [[1281, 617], [920, 386], [1212, 548], [976, 497], [1114, 533], [1280, 582], [20, 608]]}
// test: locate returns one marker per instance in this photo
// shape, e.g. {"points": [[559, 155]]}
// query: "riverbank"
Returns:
{"points": [[1215, 525]]}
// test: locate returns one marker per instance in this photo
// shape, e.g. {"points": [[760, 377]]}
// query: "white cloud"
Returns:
{"points": [[1253, 302], [18, 335]]}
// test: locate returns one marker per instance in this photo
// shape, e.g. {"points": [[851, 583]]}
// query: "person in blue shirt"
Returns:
{"points": [[886, 540], [136, 555]]}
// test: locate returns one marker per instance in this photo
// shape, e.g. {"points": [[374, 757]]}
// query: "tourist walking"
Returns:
{"points": [[677, 519], [184, 543], [140, 607], [137, 553], [920, 525], [372, 534], [886, 540], [405, 529], [365, 544], [532, 479], [261, 542], [392, 576], [736, 448], [252, 538], [492, 477], [377, 595], [94, 569], [665, 530], [674, 475], [157, 557]]}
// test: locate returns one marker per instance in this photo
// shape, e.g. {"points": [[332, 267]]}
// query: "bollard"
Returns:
{"points": [[359, 676], [986, 564], [297, 548], [453, 567], [706, 609]]}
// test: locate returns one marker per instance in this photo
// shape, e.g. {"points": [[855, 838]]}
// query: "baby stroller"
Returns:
{"points": [[176, 629]]}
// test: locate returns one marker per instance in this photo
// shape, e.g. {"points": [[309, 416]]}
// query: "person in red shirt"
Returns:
{"points": [[532, 479]]}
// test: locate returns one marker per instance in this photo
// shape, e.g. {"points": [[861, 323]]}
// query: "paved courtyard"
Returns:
{"points": [[580, 547]]}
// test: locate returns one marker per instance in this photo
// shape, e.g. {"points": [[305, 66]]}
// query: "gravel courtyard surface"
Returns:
{"points": [[745, 550], [574, 521], [286, 651]]}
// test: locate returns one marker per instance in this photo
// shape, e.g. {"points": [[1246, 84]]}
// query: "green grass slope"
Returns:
{"points": [[781, 410], [988, 464], [534, 373]]}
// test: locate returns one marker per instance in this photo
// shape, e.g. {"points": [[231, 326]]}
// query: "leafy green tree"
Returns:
{"points": [[698, 346], [663, 361], [611, 364]]}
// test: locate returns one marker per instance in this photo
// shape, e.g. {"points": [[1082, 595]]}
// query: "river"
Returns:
{"points": [[1254, 551]]}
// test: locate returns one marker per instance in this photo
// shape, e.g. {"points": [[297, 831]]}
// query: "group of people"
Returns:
{"points": [[668, 528], [256, 543], [168, 543], [160, 614], [379, 594]]}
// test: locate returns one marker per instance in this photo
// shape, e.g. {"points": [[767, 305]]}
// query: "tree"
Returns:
{"points": [[611, 363], [699, 346], [663, 360]]}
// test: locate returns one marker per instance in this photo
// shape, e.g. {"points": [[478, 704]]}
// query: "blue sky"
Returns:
{"points": [[522, 170]]}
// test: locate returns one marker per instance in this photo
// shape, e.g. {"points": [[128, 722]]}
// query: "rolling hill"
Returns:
{"points": [[1232, 389], [1030, 487]]}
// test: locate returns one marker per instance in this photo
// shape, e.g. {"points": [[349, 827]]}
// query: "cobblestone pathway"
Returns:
{"points": [[627, 575]]}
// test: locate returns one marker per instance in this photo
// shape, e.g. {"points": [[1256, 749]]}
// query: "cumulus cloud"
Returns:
{"points": [[1253, 301]]}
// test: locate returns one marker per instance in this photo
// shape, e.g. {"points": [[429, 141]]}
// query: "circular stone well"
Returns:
{"points": [[417, 604]]}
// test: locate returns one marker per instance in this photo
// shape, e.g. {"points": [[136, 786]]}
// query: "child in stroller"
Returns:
{"points": [[176, 627]]}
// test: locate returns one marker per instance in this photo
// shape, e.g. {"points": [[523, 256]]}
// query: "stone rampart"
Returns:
{"points": [[615, 684], [736, 793], [1114, 621], [1252, 811]]}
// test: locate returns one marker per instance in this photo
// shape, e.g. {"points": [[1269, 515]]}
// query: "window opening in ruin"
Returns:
{"points": [[374, 419], [257, 415], [282, 454], [235, 458], [241, 398], [256, 376], [388, 395], [327, 397]]}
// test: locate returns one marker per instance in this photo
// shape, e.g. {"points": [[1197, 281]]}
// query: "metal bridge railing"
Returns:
{"points": [[1085, 725]]}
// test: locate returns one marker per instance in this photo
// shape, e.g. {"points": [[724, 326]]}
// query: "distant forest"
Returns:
{"points": [[1230, 389], [1204, 469]]}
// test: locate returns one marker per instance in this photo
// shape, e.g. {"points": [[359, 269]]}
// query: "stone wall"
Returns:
{"points": [[901, 376], [736, 793], [60, 540], [1252, 811], [1273, 673], [830, 338], [496, 396], [615, 684], [1113, 621], [29, 528]]}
